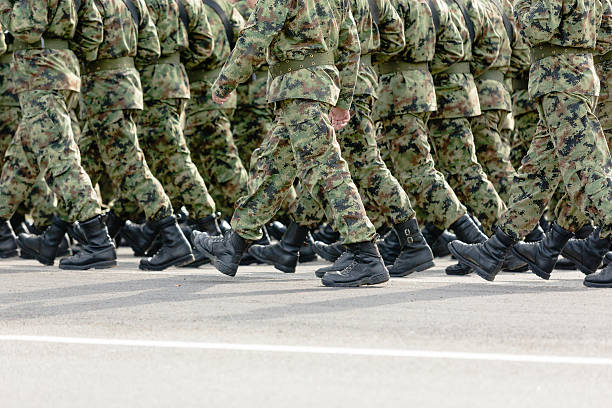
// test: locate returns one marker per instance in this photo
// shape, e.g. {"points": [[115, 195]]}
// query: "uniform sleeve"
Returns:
{"points": [[347, 59], [538, 19], [604, 34], [28, 20], [391, 29], [89, 32], [201, 42], [237, 22], [149, 49], [266, 21]]}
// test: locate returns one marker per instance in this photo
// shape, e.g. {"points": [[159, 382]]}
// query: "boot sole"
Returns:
{"points": [[282, 268], [34, 255], [479, 271], [184, 260], [581, 267], [366, 281], [539, 272], [97, 265], [221, 267], [420, 268], [597, 285]]}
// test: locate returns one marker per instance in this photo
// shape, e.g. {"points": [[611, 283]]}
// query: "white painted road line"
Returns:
{"points": [[450, 355]]}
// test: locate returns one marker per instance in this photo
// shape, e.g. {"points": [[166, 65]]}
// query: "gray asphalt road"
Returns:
{"points": [[200, 339]]}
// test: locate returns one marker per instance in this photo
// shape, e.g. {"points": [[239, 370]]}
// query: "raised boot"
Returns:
{"points": [[175, 249], [329, 252], [536, 234], [224, 251], [600, 279], [8, 241], [467, 231], [207, 224], [276, 230], [486, 258], [565, 264], [140, 237], [283, 255], [542, 256], [587, 254], [366, 268], [97, 249], [415, 255], [44, 247]]}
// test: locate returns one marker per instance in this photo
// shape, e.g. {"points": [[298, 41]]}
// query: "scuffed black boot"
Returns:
{"points": [[415, 255], [97, 250], [224, 251], [467, 231], [44, 247], [366, 268], [8, 241], [175, 250], [486, 258], [587, 254], [341, 263], [542, 256], [329, 252], [600, 279], [207, 224], [284, 254], [140, 237]]}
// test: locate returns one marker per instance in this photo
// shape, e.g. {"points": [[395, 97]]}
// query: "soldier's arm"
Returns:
{"points": [[266, 21], [28, 20], [538, 19], [89, 32], [148, 43], [347, 59], [391, 29], [237, 22], [201, 41]]}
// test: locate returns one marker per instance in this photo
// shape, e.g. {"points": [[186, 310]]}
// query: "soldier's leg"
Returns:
{"points": [[249, 126], [455, 156], [525, 126], [161, 136], [491, 150]]}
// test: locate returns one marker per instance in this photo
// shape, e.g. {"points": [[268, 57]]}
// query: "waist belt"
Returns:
{"points": [[598, 59], [310, 60], [458, 68], [51, 43], [400, 66], [110, 64], [174, 58], [6, 58], [493, 75], [366, 60], [198, 75], [547, 50], [519, 84]]}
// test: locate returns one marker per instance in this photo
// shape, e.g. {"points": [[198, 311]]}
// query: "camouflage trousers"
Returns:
{"points": [[209, 137], [525, 126], [161, 136], [111, 138], [44, 145], [302, 143], [491, 150], [569, 146], [455, 156], [405, 142], [381, 193]]}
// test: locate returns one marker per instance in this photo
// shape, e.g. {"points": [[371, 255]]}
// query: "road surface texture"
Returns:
{"points": [[195, 338]]}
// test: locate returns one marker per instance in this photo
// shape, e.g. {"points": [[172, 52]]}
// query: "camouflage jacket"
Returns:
{"points": [[456, 93], [410, 91], [46, 68], [380, 39], [194, 44], [565, 23], [520, 62], [254, 92], [288, 30], [201, 89], [119, 89], [604, 68]]}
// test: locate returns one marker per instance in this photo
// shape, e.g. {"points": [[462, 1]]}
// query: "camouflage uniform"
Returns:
{"points": [[491, 54], [569, 144], [166, 91], [47, 80], [207, 126], [112, 95], [302, 141], [449, 127]]}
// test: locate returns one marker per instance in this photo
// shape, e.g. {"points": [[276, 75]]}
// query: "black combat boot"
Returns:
{"points": [[283, 255], [587, 254], [307, 253], [341, 263], [97, 250], [8, 241], [247, 258], [44, 247], [467, 231], [207, 224], [389, 248], [600, 279], [415, 255], [487, 258], [440, 246], [536, 234], [329, 252], [366, 268], [542, 256], [326, 234], [276, 230], [18, 223], [175, 250], [224, 251], [114, 224], [140, 237], [565, 264]]}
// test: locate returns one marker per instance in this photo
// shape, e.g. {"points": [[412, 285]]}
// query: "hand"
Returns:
{"points": [[339, 117], [218, 100]]}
